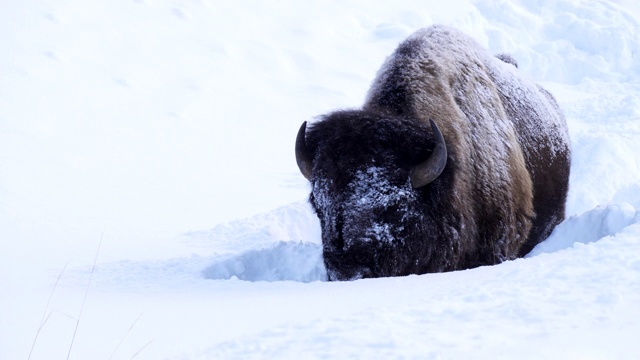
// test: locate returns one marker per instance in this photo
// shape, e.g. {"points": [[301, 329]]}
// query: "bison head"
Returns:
{"points": [[370, 177]]}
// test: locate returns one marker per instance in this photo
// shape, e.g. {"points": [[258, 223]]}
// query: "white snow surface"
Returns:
{"points": [[151, 207]]}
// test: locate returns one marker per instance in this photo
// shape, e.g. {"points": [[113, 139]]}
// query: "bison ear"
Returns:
{"points": [[303, 156], [427, 171]]}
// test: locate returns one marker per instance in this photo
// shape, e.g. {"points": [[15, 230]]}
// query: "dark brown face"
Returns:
{"points": [[362, 172], [365, 221]]}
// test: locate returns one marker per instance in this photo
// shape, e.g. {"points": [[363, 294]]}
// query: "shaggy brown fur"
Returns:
{"points": [[502, 191]]}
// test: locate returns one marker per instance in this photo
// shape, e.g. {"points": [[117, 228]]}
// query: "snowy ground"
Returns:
{"points": [[159, 137]]}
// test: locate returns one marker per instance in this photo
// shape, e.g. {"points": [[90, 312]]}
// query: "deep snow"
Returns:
{"points": [[167, 129]]}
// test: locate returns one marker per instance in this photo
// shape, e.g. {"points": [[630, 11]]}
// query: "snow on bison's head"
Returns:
{"points": [[456, 160]]}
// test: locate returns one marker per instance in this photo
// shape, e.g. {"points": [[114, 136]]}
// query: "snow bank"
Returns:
{"points": [[594, 225], [302, 261], [283, 244], [295, 222], [605, 126], [283, 261], [581, 303]]}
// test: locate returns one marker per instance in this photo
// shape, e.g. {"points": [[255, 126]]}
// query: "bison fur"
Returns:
{"points": [[455, 160]]}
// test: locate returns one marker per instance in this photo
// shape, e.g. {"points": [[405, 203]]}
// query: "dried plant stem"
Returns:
{"points": [[46, 316], [86, 293]]}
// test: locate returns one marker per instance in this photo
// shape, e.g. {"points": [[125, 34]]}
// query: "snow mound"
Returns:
{"points": [[293, 222], [296, 260], [283, 261], [283, 244], [591, 226], [570, 40]]}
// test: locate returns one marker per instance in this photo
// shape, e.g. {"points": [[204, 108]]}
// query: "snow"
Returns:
{"points": [[372, 190], [599, 223], [159, 136]]}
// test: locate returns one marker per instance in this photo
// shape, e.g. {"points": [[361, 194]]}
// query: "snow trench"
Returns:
{"points": [[302, 261], [295, 261]]}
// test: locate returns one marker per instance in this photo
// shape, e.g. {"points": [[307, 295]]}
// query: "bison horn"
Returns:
{"points": [[303, 158], [427, 171]]}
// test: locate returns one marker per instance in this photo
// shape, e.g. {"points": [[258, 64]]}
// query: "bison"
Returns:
{"points": [[455, 160]]}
